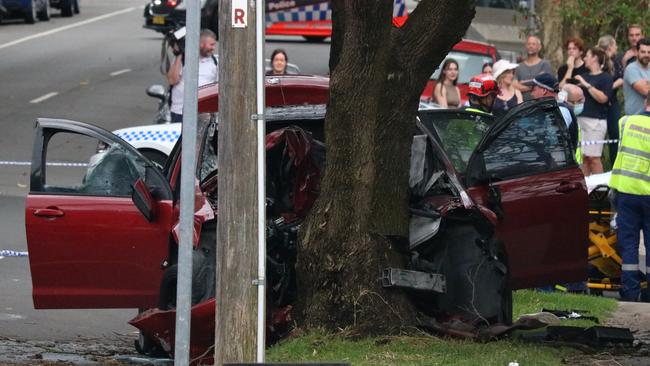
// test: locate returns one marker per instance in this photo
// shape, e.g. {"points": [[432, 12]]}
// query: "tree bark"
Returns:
{"points": [[353, 232], [554, 30]]}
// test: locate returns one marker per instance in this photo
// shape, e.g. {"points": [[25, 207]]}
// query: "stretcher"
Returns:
{"points": [[604, 260]]}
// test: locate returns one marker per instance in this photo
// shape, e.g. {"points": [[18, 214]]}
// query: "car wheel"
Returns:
{"points": [[203, 275], [155, 156], [44, 14], [477, 275], [314, 39], [76, 6], [30, 13], [66, 8]]}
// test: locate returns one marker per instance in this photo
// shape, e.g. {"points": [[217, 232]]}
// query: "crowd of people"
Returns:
{"points": [[598, 72]]}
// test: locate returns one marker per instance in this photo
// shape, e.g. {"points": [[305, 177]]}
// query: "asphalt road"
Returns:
{"points": [[93, 67]]}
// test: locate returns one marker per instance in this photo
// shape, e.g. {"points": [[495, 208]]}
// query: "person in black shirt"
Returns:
{"points": [[608, 44], [597, 86], [575, 64]]}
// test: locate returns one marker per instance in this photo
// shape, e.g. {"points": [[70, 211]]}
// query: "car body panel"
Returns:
{"points": [[90, 251], [543, 224], [103, 251]]}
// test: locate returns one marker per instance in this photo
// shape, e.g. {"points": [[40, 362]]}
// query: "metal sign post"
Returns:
{"points": [[261, 179], [188, 162]]}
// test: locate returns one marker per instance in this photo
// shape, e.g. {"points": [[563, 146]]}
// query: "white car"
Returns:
{"points": [[153, 141]]}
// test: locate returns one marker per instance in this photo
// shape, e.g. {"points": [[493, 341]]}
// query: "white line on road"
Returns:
{"points": [[44, 97], [120, 72], [66, 27]]}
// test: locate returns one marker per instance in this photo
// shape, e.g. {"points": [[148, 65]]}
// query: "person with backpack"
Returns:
{"points": [[208, 72]]}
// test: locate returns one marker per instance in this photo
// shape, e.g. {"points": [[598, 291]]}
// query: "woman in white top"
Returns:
{"points": [[509, 96]]}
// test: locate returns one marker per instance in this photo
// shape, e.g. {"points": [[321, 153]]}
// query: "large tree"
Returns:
{"points": [[377, 72]]}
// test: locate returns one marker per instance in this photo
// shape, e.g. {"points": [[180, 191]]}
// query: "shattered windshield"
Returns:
{"points": [[459, 133]]}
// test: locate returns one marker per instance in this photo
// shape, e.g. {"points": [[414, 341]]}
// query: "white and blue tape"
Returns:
{"points": [[53, 163], [12, 253]]}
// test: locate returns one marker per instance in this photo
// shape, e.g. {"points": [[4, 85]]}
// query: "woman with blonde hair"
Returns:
{"points": [[446, 93], [608, 44], [509, 96]]}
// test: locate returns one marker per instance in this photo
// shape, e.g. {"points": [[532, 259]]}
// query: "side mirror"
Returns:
{"points": [[143, 200], [157, 91]]}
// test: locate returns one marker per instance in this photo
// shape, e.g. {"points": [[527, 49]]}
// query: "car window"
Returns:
{"points": [[469, 64], [78, 164], [459, 133], [534, 143]]}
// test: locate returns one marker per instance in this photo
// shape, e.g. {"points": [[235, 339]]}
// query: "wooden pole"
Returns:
{"points": [[237, 228]]}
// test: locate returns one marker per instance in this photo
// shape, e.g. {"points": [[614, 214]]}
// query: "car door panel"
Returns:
{"points": [[89, 245], [532, 181]]}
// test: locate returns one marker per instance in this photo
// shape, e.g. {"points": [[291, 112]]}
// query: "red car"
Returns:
{"points": [[497, 205], [471, 56]]}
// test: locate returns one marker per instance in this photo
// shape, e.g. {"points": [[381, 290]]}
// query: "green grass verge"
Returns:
{"points": [[432, 350]]}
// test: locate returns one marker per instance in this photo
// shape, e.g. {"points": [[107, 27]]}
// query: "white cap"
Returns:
{"points": [[502, 66]]}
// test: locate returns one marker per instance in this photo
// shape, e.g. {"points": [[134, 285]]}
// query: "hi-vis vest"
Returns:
{"points": [[631, 171]]}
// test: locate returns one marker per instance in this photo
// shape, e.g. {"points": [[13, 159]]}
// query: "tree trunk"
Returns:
{"points": [[554, 30], [353, 232]]}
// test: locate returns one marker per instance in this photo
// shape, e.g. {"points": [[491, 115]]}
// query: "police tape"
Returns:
{"points": [[12, 253], [598, 142], [54, 163]]}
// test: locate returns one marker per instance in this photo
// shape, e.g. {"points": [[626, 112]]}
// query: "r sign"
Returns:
{"points": [[239, 13]]}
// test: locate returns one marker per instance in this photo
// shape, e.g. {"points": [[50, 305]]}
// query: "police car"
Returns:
{"points": [[153, 141]]}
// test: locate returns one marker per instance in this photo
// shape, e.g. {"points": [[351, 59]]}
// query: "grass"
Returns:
{"points": [[425, 349]]}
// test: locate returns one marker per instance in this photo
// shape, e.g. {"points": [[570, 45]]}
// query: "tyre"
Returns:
{"points": [[203, 278], [44, 14], [314, 39], [66, 8], [477, 274], [155, 156], [30, 13], [75, 6]]}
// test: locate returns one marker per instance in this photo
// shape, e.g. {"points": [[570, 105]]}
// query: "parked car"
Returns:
{"points": [[30, 10], [470, 55], [166, 15], [496, 206], [67, 7]]}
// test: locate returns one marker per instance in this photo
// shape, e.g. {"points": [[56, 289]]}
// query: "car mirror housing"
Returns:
{"points": [[156, 91], [143, 199]]}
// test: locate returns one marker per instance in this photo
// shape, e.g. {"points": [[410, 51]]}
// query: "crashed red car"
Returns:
{"points": [[496, 206]]}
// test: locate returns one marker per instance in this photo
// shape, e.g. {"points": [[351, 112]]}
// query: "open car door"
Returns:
{"points": [[98, 217], [524, 170]]}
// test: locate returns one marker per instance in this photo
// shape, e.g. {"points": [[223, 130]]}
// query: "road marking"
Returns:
{"points": [[44, 97], [120, 72], [55, 163], [66, 27]]}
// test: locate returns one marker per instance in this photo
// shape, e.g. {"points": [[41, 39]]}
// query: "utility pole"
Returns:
{"points": [[239, 223]]}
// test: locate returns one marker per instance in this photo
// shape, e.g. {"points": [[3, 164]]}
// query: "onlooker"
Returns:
{"points": [[532, 66], [637, 79], [544, 85], [487, 68], [634, 34], [508, 96], [446, 93], [571, 100], [631, 179], [279, 60], [597, 86], [482, 93], [574, 65], [208, 72], [608, 44]]}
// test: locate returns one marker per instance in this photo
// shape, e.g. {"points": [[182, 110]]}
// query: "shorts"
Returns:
{"points": [[592, 129]]}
